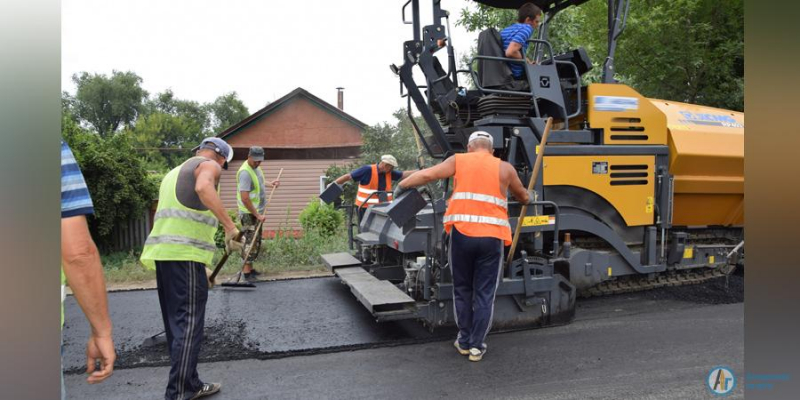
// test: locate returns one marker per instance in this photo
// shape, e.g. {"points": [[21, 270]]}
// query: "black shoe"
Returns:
{"points": [[207, 390], [250, 277], [254, 272]]}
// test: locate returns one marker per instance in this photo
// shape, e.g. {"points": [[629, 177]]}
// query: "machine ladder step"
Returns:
{"points": [[338, 260], [376, 295]]}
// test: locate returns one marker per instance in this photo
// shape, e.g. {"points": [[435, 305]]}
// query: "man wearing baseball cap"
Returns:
{"points": [[179, 248], [371, 178], [477, 221], [251, 197]]}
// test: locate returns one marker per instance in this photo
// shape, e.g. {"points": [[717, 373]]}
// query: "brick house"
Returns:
{"points": [[300, 133]]}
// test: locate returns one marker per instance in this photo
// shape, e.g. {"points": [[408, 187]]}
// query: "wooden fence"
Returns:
{"points": [[132, 235]]}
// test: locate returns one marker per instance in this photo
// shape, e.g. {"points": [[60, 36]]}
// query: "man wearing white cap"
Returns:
{"points": [[179, 247], [374, 178], [477, 221]]}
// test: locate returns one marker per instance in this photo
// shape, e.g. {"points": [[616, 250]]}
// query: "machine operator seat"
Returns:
{"points": [[494, 74]]}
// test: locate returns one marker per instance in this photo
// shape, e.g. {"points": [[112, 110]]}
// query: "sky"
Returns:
{"points": [[262, 50]]}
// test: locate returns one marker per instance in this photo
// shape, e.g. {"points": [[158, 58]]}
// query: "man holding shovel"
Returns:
{"points": [[477, 221], [252, 200], [179, 248]]}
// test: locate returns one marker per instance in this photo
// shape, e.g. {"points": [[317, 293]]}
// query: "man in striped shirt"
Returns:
{"points": [[81, 267], [515, 37]]}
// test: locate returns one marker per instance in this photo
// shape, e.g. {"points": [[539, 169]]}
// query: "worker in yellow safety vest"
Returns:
{"points": [[251, 199], [179, 248]]}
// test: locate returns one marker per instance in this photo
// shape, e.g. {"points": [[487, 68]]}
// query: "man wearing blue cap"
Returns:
{"points": [[179, 247]]}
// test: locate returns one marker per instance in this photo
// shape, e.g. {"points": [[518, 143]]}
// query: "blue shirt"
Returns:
{"points": [[517, 33], [363, 176], [75, 199]]}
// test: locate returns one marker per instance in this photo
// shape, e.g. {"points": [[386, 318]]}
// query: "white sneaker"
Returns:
{"points": [[476, 354], [461, 350]]}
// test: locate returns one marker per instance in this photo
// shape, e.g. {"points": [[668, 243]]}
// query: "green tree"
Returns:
{"points": [[195, 115], [225, 111], [108, 103], [164, 140], [684, 50], [168, 129], [118, 183]]}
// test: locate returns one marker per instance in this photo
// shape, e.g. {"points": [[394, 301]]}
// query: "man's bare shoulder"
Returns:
{"points": [[208, 167]]}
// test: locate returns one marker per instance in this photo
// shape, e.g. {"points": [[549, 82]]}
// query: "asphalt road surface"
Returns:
{"points": [[310, 338]]}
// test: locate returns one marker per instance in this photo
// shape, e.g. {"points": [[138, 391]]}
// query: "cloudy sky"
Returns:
{"points": [[260, 49]]}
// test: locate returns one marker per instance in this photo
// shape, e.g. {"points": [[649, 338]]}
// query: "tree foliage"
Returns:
{"points": [[683, 50], [108, 103], [118, 183], [225, 111]]}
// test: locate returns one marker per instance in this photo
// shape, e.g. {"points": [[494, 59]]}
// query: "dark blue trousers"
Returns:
{"points": [[476, 263], [182, 293]]}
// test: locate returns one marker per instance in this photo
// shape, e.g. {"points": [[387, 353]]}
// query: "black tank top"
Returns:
{"points": [[184, 189]]}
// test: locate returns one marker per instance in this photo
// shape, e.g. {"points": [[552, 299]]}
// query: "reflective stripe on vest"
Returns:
{"points": [[480, 197], [255, 194], [175, 239], [365, 190], [179, 233], [478, 219], [187, 214], [477, 207]]}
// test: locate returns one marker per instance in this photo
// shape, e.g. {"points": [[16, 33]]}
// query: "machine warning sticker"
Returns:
{"points": [[688, 252], [538, 220], [615, 103], [648, 208], [600, 168]]}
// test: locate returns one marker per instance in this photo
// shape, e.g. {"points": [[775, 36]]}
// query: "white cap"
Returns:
{"points": [[389, 159], [481, 135]]}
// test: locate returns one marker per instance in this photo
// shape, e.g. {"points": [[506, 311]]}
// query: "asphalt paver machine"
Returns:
{"points": [[634, 193]]}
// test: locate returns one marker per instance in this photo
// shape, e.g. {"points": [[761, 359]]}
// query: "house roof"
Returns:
{"points": [[299, 92]]}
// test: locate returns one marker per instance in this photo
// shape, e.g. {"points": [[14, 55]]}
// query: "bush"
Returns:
{"points": [[320, 218], [219, 237], [117, 180]]}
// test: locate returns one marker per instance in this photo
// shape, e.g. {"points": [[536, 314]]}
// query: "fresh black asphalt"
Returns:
{"points": [[310, 338]]}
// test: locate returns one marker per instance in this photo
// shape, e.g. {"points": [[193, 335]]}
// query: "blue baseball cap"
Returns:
{"points": [[220, 147]]}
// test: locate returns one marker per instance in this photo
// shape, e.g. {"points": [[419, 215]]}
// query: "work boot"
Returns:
{"points": [[476, 354], [461, 350], [207, 390]]}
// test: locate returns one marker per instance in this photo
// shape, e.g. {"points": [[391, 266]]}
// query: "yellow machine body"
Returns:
{"points": [[706, 158], [706, 151], [632, 197]]}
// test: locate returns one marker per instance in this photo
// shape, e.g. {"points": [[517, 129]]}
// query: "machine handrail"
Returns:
{"points": [[476, 81], [370, 196], [404, 13], [549, 46], [578, 77]]}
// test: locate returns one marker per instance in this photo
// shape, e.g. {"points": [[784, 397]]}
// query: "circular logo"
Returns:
{"points": [[721, 380]]}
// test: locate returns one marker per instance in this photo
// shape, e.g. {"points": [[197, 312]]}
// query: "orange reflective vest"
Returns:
{"points": [[477, 208], [365, 190]]}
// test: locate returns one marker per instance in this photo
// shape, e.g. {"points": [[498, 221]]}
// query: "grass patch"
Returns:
{"points": [[281, 254], [124, 267]]}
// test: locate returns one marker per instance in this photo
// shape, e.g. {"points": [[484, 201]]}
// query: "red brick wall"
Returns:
{"points": [[298, 124]]}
